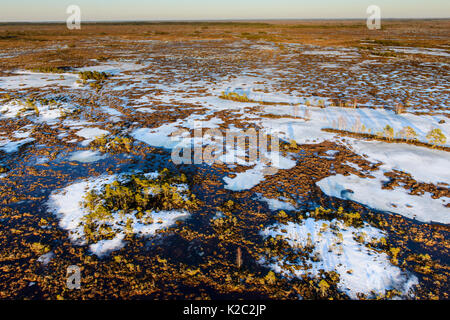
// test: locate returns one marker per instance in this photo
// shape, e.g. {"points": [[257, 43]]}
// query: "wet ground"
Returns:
{"points": [[360, 216]]}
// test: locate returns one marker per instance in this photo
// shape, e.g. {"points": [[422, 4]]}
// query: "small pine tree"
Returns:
{"points": [[323, 287], [408, 133], [436, 137], [388, 132], [270, 278]]}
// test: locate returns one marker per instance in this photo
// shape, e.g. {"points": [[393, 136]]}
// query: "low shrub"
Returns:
{"points": [[235, 97]]}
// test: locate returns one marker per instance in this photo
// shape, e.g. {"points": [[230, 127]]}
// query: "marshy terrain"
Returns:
{"points": [[357, 206]]}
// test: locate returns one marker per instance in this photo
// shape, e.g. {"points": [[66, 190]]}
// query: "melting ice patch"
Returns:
{"points": [[426, 51], [112, 112], [46, 258], [13, 146], [168, 136], [275, 204], [250, 178], [361, 269], [38, 113], [86, 156], [26, 80], [114, 67], [424, 164], [159, 137], [368, 192]]}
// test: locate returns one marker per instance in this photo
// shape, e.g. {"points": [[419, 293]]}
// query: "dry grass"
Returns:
{"points": [[74, 51]]}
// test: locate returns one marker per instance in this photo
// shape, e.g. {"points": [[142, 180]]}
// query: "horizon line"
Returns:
{"points": [[216, 20]]}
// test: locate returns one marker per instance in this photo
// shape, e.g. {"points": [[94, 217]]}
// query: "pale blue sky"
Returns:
{"points": [[55, 10]]}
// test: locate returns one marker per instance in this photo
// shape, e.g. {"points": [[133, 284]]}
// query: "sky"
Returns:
{"points": [[99, 10]]}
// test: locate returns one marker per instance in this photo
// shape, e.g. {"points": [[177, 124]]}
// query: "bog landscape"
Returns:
{"points": [[225, 160]]}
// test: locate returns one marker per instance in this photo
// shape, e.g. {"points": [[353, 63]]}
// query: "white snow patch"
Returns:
{"points": [[26, 80], [158, 137], [86, 156], [112, 111], [370, 271], [46, 258], [275, 204]]}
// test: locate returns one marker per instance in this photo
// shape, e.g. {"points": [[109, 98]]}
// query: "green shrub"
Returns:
{"points": [[109, 144], [350, 218], [6, 97], [93, 75], [48, 70]]}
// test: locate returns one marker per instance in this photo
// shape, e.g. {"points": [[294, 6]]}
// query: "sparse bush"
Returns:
{"points": [[225, 227], [323, 287], [293, 144], [29, 105], [388, 53], [270, 277], [98, 77], [93, 75], [350, 218], [363, 128], [102, 59]]}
